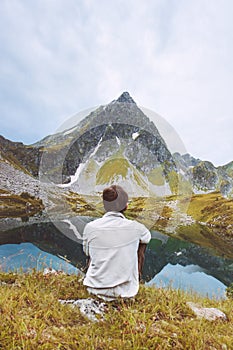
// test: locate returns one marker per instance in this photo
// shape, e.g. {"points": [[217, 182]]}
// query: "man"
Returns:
{"points": [[116, 248]]}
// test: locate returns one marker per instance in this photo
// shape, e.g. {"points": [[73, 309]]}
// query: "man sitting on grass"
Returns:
{"points": [[116, 247]]}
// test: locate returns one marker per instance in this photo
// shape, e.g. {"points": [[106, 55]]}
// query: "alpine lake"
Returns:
{"points": [[194, 258]]}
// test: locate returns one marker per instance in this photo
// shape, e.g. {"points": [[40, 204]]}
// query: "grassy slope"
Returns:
{"points": [[213, 209], [32, 318], [112, 168], [119, 166], [156, 176], [23, 205]]}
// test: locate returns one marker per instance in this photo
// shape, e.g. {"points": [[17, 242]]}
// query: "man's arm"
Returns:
{"points": [[141, 258], [88, 262], [86, 249]]}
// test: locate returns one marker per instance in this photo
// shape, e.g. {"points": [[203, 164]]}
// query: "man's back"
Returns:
{"points": [[112, 243]]}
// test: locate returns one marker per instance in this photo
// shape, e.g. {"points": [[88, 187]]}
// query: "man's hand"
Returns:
{"points": [[141, 258]]}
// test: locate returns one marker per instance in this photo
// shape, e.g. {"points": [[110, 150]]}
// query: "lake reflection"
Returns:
{"points": [[25, 256], [189, 278], [169, 261]]}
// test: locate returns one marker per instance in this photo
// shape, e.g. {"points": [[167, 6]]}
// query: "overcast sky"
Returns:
{"points": [[174, 57]]}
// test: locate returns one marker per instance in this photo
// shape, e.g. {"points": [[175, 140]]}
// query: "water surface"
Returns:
{"points": [[169, 261]]}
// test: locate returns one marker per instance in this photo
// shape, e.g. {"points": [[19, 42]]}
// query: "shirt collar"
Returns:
{"points": [[114, 213]]}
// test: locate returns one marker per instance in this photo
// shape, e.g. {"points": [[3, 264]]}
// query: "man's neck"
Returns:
{"points": [[114, 213]]}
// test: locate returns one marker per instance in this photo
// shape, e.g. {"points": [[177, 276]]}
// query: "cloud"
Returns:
{"points": [[174, 57]]}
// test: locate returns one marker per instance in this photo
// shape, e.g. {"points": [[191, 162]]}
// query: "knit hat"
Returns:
{"points": [[115, 198]]}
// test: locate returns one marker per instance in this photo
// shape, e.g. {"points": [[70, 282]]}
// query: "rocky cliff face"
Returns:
{"points": [[25, 157], [204, 176]]}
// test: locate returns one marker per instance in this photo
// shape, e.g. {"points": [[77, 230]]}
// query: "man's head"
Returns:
{"points": [[115, 198]]}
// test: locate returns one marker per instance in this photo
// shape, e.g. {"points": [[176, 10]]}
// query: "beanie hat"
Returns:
{"points": [[115, 198]]}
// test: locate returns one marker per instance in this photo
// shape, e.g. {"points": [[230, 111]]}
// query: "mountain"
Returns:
{"points": [[63, 174], [115, 143]]}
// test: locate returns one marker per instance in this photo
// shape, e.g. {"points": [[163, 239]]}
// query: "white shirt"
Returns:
{"points": [[112, 243]]}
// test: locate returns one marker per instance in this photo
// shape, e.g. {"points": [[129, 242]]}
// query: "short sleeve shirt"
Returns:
{"points": [[112, 243]]}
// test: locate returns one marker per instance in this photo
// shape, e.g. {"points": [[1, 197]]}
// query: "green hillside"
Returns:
{"points": [[116, 168]]}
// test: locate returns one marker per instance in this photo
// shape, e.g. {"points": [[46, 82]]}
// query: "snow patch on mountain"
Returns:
{"points": [[135, 135], [82, 166], [118, 141]]}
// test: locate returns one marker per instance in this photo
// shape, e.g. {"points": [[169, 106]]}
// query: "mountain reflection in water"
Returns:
{"points": [[26, 256], [189, 278], [169, 261]]}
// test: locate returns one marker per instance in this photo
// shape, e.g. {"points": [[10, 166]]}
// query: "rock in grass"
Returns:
{"points": [[88, 307], [209, 313]]}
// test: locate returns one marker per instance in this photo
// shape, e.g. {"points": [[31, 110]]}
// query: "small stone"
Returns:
{"points": [[48, 271], [209, 313]]}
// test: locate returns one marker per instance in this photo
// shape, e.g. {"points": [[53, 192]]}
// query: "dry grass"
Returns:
{"points": [[213, 209], [23, 205], [32, 318]]}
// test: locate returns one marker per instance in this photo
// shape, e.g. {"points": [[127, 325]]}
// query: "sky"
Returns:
{"points": [[174, 57]]}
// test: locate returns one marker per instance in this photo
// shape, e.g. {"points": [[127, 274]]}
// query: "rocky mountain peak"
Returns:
{"points": [[125, 98]]}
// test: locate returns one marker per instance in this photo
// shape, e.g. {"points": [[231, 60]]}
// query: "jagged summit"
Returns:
{"points": [[126, 98]]}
